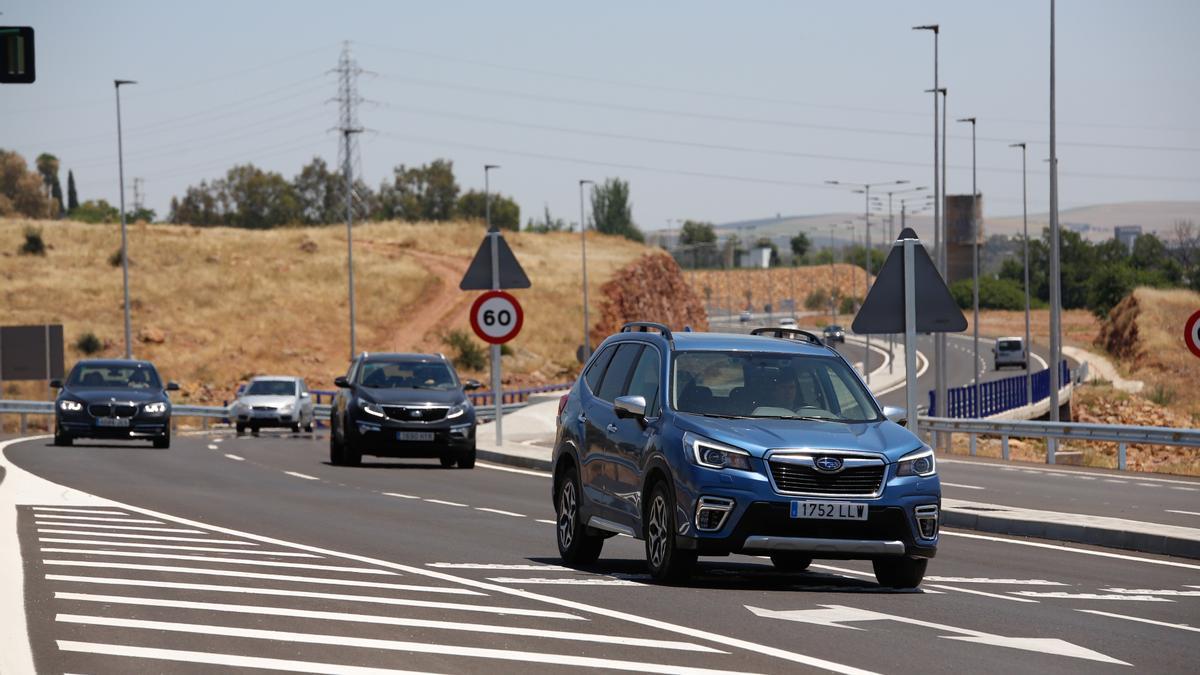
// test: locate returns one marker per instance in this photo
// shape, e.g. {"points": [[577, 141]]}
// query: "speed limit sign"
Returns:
{"points": [[1191, 333], [496, 317]]}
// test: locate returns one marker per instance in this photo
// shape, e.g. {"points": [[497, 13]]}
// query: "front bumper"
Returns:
{"points": [[140, 427], [380, 437], [267, 419]]}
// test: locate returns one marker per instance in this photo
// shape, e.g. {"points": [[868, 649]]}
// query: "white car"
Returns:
{"points": [[1009, 351], [787, 322], [273, 401]]}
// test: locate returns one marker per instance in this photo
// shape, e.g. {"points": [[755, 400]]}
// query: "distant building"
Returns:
{"points": [[760, 257], [961, 223], [1127, 235]]}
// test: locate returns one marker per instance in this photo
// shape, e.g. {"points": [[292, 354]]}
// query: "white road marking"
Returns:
{"points": [[1061, 472], [212, 549], [959, 485], [100, 526], [1186, 513], [1186, 489], [1084, 551], [397, 494], [499, 512], [301, 475], [1091, 596], [235, 458], [43, 516], [393, 645], [985, 580], [233, 661], [218, 440], [96, 512], [972, 591], [1117, 481], [543, 520], [1180, 626], [212, 446], [1149, 484], [219, 561], [212, 572], [576, 636], [560, 581], [120, 535], [1147, 591], [443, 502], [1086, 477], [509, 469], [500, 566], [249, 590]]}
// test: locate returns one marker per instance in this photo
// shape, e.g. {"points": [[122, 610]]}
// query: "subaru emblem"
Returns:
{"points": [[828, 464], [415, 414]]}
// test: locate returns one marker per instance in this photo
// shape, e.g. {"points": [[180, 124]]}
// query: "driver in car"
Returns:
{"points": [[781, 391]]}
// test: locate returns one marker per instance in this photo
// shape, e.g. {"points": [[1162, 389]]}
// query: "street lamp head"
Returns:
{"points": [[933, 27], [833, 182], [489, 167], [586, 182], [1017, 145], [967, 119], [940, 90], [900, 182], [118, 83]]}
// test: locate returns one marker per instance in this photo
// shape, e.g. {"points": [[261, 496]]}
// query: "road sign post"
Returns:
{"points": [[910, 336]]}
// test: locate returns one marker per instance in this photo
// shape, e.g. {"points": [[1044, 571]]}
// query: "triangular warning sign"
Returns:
{"points": [[479, 274], [883, 310]]}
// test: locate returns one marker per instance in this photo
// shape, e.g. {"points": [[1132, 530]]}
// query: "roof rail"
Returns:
{"points": [[644, 326], [789, 334]]}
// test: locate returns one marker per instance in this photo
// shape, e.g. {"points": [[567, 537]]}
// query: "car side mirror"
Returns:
{"points": [[172, 386], [341, 382], [304, 394], [896, 414], [472, 385], [56, 384], [630, 407]]}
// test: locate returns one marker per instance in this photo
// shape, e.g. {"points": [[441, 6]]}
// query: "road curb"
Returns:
{"points": [[1142, 542], [518, 461]]}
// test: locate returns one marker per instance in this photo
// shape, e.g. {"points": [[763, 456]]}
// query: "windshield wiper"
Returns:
{"points": [[724, 417]]}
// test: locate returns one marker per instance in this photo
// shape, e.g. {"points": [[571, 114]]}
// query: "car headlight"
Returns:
{"points": [[286, 407], [155, 408], [456, 411], [714, 455], [70, 406], [918, 463], [370, 408]]}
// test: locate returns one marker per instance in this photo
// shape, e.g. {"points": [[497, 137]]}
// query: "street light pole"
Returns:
{"points": [[494, 235], [1025, 232], [832, 279], [350, 234], [974, 272], [587, 340], [939, 341], [124, 237], [1055, 279]]}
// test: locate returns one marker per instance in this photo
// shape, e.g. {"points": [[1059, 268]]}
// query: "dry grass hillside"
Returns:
{"points": [[739, 288], [214, 306]]}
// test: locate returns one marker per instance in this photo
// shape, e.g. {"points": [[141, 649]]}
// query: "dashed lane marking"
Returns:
{"points": [[301, 475], [1084, 551], [397, 494], [121, 535], [547, 522], [499, 566], [235, 458], [500, 512], [444, 503], [236, 661], [577, 636], [391, 645], [985, 580], [959, 485], [100, 526], [219, 561], [1186, 513], [559, 581], [212, 446], [1186, 489], [1180, 626], [972, 591], [1148, 591], [173, 547]]}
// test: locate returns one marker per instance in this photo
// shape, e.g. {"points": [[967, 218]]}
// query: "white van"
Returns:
{"points": [[1009, 351]]}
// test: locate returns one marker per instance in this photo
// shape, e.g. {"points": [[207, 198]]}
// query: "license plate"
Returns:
{"points": [[112, 422], [414, 435], [829, 510]]}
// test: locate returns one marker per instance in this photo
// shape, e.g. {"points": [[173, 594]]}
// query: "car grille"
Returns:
{"points": [[264, 407], [859, 481], [112, 410], [412, 414]]}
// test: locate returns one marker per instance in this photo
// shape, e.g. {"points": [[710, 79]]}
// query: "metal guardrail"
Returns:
{"points": [[1121, 434]]}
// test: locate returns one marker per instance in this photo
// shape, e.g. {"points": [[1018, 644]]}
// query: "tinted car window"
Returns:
{"points": [[596, 370], [113, 377], [271, 388], [1009, 345], [617, 372], [406, 375], [645, 380]]}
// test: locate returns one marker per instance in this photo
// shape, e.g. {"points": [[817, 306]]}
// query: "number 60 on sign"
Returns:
{"points": [[496, 317]]}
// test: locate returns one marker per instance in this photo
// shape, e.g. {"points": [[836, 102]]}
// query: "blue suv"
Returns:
{"points": [[763, 444]]}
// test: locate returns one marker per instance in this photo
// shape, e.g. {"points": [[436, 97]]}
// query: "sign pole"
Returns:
{"points": [[910, 335], [494, 236]]}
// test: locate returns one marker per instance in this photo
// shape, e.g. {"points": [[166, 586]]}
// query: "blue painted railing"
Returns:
{"points": [[997, 396]]}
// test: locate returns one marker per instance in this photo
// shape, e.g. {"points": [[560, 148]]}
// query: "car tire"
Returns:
{"points": [[336, 448], [447, 459], [163, 442], [296, 428], [667, 562], [241, 428], [62, 440], [575, 545], [351, 455], [790, 561], [900, 572], [466, 459], [308, 427]]}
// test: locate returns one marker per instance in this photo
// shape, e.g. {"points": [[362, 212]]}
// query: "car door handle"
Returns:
{"points": [[612, 428], [582, 417]]}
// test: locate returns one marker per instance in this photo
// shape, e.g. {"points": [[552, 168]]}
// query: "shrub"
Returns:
{"points": [[993, 294], [848, 304], [817, 299], [1161, 395], [468, 354], [33, 242], [115, 258], [88, 343]]}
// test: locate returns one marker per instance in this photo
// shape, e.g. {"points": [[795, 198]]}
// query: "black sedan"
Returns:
{"points": [[114, 400], [402, 405], [833, 333]]}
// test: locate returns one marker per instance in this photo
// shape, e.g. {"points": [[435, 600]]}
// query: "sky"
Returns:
{"points": [[717, 111]]}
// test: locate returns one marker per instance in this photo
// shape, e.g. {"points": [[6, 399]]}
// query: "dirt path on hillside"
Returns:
{"points": [[439, 308]]}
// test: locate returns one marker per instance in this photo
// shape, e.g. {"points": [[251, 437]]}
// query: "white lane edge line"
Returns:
{"points": [[174, 547], [397, 494], [1060, 547], [289, 592], [232, 660], [102, 526], [499, 512], [1180, 626], [219, 561], [121, 535], [101, 519], [443, 502], [1186, 513], [97, 511], [301, 475], [509, 469], [235, 458], [547, 522], [966, 487], [973, 591]]}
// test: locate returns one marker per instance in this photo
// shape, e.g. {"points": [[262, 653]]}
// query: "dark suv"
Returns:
{"points": [[765, 444], [113, 399], [402, 405]]}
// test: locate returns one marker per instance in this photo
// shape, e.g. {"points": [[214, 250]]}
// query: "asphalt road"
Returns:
{"points": [[406, 566]]}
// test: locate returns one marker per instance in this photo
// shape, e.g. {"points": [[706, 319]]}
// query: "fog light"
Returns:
{"points": [[927, 520], [364, 428], [711, 513]]}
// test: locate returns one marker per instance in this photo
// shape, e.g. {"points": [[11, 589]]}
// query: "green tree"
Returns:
{"points": [[320, 194], [800, 245], [72, 196], [22, 192], [612, 212], [200, 206], [695, 232], [994, 293], [548, 223], [506, 214], [257, 199], [47, 166], [427, 192], [96, 211]]}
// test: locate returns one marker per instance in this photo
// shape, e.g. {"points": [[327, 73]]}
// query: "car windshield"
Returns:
{"points": [[407, 375], [113, 377], [833, 329], [766, 385], [271, 388], [1009, 345]]}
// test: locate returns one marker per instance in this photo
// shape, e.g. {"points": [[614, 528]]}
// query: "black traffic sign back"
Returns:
{"points": [[479, 274], [883, 310]]}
